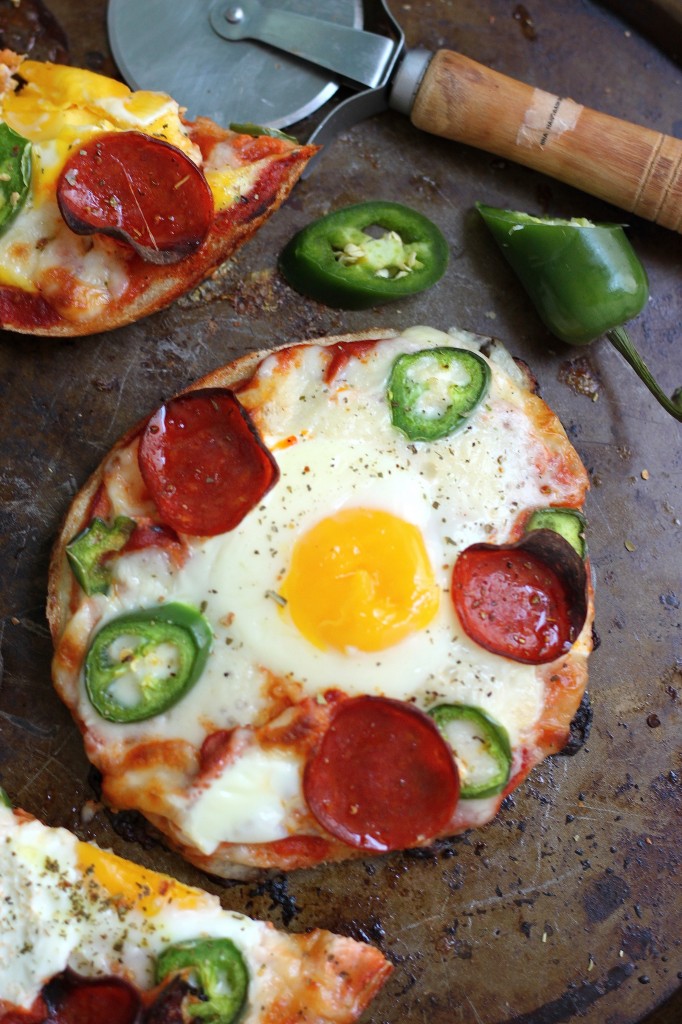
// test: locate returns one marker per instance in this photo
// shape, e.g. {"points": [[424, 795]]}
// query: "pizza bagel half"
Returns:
{"points": [[112, 204], [330, 601], [88, 935]]}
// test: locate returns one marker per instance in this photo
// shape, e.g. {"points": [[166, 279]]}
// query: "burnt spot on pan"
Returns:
{"points": [[441, 849], [604, 896], [667, 788], [277, 889], [577, 999], [371, 931], [131, 826], [639, 943]]}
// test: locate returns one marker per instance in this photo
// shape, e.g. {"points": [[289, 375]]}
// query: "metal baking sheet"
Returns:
{"points": [[568, 906]]}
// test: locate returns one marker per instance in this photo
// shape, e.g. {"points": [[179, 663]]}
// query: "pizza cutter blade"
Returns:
{"points": [[279, 60], [180, 49]]}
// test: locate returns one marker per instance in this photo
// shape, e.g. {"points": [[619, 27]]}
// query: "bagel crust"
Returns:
{"points": [[60, 283], [302, 400]]}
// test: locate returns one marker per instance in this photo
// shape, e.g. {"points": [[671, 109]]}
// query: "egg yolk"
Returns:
{"points": [[360, 579], [59, 107], [132, 885]]}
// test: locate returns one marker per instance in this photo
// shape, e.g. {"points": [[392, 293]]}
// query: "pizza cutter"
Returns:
{"points": [[278, 61]]}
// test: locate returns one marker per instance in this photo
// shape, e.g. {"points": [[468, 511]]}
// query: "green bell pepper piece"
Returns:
{"points": [[337, 261], [142, 663], [584, 279], [567, 522], [434, 391], [480, 745], [87, 552], [216, 969], [15, 174]]}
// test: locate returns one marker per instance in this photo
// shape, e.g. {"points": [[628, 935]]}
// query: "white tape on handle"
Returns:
{"points": [[547, 118]]}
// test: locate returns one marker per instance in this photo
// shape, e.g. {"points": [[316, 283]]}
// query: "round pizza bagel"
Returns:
{"points": [[331, 601], [112, 204]]}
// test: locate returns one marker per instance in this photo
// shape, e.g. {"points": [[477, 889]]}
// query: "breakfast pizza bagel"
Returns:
{"points": [[332, 600], [112, 204], [88, 936]]}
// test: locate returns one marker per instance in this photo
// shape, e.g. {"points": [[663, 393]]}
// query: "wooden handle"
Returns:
{"points": [[631, 166]]}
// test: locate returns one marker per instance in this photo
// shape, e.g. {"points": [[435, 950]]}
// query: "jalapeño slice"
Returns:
{"points": [[567, 522], [88, 550], [365, 255], [481, 747], [216, 974], [15, 174], [142, 663], [433, 392], [257, 130]]}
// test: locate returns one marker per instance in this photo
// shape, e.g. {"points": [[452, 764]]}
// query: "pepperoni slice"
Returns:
{"points": [[31, 1016], [514, 602], [383, 777], [72, 999], [140, 190], [204, 463], [36, 1015]]}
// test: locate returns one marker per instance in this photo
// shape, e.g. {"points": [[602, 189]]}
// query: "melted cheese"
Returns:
{"points": [[250, 801], [467, 488]]}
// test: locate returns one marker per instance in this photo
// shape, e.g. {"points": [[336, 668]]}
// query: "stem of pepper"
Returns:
{"points": [[620, 339]]}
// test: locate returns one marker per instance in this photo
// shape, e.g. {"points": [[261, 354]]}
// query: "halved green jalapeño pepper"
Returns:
{"points": [[434, 391], [584, 279], [87, 551], [481, 748], [365, 255], [215, 970], [568, 522], [142, 663]]}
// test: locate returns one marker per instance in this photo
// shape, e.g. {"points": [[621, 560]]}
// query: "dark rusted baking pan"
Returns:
{"points": [[566, 908]]}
